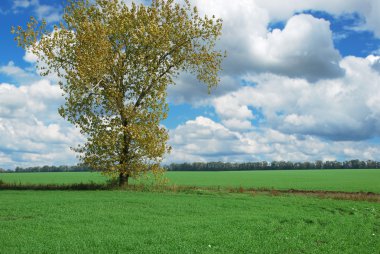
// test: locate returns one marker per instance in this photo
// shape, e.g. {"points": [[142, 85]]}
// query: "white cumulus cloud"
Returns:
{"points": [[31, 131], [42, 11], [203, 139], [345, 108]]}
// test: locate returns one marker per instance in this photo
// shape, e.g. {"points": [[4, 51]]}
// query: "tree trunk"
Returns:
{"points": [[123, 179]]}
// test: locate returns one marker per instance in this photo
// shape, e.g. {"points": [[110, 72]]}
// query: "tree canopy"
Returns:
{"points": [[115, 63]]}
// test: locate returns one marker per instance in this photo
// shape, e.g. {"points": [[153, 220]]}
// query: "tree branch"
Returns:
{"points": [[162, 58], [145, 92]]}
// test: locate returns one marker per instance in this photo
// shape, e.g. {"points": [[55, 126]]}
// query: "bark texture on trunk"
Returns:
{"points": [[123, 179]]}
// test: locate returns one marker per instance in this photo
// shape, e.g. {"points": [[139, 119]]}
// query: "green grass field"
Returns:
{"points": [[53, 178], [193, 222], [334, 180], [365, 180], [144, 222]]}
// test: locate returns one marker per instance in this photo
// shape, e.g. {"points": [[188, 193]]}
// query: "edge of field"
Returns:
{"points": [[340, 195]]}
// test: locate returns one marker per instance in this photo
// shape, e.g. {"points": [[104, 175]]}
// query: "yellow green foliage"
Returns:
{"points": [[115, 62]]}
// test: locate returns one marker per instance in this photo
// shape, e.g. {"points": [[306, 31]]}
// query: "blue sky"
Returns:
{"points": [[301, 82]]}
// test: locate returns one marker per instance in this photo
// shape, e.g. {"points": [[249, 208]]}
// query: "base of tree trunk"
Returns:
{"points": [[123, 179]]}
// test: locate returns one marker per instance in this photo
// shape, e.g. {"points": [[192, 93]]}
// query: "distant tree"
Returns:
{"points": [[338, 164], [355, 164], [318, 164], [371, 164], [116, 62]]}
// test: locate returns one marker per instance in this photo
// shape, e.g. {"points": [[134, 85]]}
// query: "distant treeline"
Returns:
{"points": [[226, 166], [274, 165], [76, 168]]}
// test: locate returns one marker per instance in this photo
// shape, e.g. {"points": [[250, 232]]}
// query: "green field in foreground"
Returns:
{"points": [[367, 180], [143, 222]]}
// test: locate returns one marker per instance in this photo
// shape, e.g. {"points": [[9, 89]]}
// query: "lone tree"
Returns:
{"points": [[115, 62]]}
